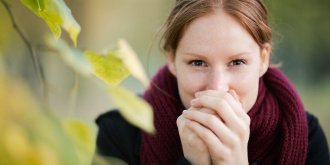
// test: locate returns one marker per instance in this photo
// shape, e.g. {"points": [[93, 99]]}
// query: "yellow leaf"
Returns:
{"points": [[82, 137], [132, 62], [16, 142], [80, 133], [134, 109], [45, 155], [72, 56], [32, 136], [108, 67], [56, 14]]}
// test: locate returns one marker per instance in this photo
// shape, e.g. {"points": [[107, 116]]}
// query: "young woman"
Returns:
{"points": [[218, 100]]}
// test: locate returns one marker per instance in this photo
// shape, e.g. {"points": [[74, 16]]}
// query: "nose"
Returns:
{"points": [[218, 80]]}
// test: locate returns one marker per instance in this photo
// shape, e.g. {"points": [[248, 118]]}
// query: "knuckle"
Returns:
{"points": [[212, 120], [179, 122], [209, 111], [182, 125], [248, 119], [191, 140], [246, 128], [204, 135], [224, 152], [233, 142], [244, 131]]}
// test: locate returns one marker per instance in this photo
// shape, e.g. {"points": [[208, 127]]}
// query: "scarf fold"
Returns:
{"points": [[278, 130]]}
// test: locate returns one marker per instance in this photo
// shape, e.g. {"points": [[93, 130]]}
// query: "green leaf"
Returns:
{"points": [[134, 109], [73, 57], [132, 62], [56, 14], [108, 67]]}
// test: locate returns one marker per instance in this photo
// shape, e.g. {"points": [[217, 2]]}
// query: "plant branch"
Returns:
{"points": [[35, 60], [73, 95]]}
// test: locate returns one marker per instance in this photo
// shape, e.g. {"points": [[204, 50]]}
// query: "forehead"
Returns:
{"points": [[216, 32]]}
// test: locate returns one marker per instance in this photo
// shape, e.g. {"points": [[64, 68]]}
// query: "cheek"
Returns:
{"points": [[247, 90], [188, 85]]}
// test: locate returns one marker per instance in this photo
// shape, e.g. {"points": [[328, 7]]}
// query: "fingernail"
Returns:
{"points": [[193, 102], [197, 94], [188, 123], [233, 93], [185, 112]]}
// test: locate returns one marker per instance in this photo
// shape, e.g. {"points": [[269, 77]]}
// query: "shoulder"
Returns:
{"points": [[318, 152], [117, 138]]}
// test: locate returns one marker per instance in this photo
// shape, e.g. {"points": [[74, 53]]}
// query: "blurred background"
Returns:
{"points": [[301, 46]]}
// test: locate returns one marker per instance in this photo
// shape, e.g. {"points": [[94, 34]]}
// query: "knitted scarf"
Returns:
{"points": [[278, 130]]}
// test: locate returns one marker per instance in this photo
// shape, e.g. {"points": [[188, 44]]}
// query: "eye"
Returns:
{"points": [[237, 62], [198, 63]]}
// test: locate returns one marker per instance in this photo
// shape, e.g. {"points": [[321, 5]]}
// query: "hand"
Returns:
{"points": [[194, 148], [226, 134]]}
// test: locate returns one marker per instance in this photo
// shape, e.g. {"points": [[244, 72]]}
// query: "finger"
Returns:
{"points": [[230, 96], [181, 123], [214, 93], [234, 94], [232, 100], [219, 105], [209, 111], [206, 110], [189, 137], [192, 138], [239, 125], [212, 123], [214, 145]]}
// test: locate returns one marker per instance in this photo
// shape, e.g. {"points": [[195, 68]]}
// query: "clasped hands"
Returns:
{"points": [[215, 129]]}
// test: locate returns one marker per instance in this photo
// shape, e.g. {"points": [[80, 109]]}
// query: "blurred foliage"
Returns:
{"points": [[42, 137], [301, 31], [136, 111], [33, 136], [112, 68], [301, 38], [108, 67], [56, 14]]}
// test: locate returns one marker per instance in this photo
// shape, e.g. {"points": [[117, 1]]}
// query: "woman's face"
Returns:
{"points": [[217, 53]]}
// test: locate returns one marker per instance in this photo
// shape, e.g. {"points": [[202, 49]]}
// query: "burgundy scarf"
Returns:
{"points": [[278, 130]]}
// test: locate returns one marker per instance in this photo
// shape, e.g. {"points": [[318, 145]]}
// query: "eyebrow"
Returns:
{"points": [[237, 55], [194, 54]]}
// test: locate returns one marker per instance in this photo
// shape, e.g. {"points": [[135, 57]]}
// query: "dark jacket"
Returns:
{"points": [[118, 138]]}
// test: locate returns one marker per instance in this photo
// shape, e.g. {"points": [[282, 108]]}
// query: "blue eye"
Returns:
{"points": [[198, 63], [237, 62]]}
